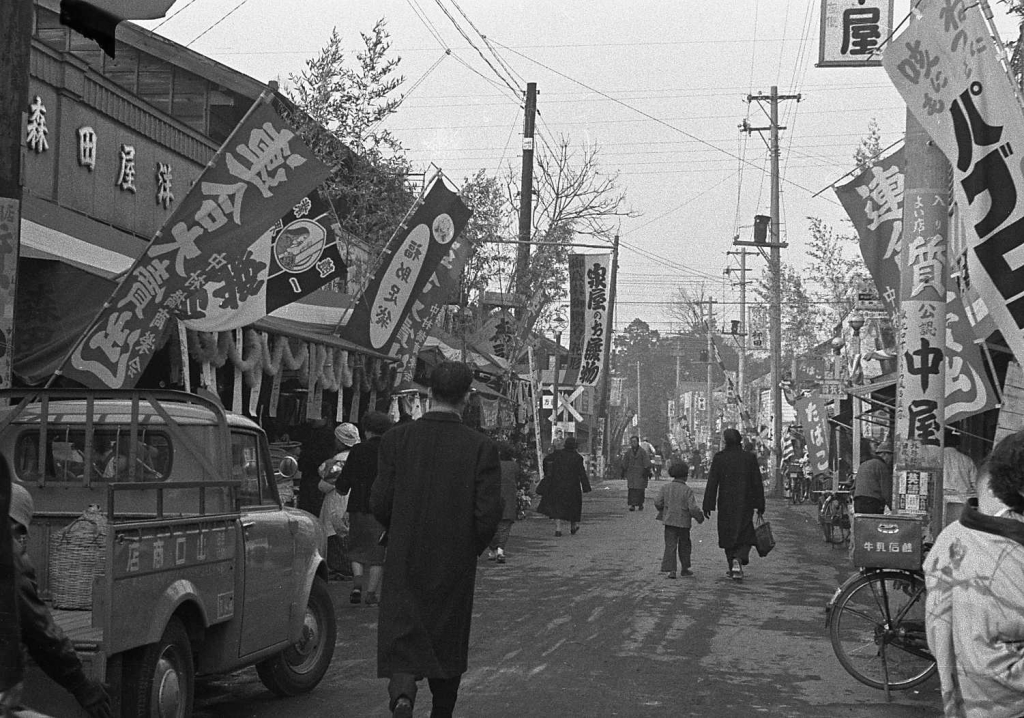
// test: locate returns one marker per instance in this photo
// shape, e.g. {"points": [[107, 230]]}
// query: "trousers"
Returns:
{"points": [[677, 542], [444, 692]]}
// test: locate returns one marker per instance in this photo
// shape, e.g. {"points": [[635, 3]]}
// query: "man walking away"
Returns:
{"points": [[438, 494]]}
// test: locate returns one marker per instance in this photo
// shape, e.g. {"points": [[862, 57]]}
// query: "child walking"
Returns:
{"points": [[677, 507]]}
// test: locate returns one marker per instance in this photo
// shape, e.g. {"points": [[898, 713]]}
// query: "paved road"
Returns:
{"points": [[586, 625]]}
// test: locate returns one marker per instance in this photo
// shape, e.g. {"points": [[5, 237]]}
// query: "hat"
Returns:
{"points": [[347, 434], [21, 508], [885, 447]]}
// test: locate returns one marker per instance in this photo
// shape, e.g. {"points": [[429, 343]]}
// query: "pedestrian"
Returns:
{"points": [[40, 635], [636, 469], [567, 482], [438, 495], [677, 509], [974, 614], [735, 487], [509, 503], [959, 474], [872, 487], [334, 510], [696, 464], [356, 479], [316, 445]]}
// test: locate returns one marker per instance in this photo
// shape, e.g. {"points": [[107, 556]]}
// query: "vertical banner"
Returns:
{"points": [[407, 291], [810, 412], [591, 273], [261, 170], [852, 31], [10, 234], [947, 67], [874, 202], [296, 256]]}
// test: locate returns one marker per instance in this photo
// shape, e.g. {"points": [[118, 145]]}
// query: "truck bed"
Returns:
{"points": [[77, 625]]}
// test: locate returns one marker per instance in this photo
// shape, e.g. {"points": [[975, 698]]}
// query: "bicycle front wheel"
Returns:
{"points": [[878, 633], [831, 518]]}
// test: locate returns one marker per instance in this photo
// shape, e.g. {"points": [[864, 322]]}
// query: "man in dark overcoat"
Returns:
{"points": [[735, 487], [636, 468], [438, 494]]}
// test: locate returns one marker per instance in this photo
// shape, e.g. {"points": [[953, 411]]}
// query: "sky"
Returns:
{"points": [[658, 87]]}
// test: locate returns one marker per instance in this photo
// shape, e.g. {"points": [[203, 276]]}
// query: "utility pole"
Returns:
{"points": [[638, 397], [775, 275], [607, 387], [741, 379], [526, 195], [711, 353]]}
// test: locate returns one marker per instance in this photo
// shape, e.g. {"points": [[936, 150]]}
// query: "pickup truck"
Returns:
{"points": [[202, 570]]}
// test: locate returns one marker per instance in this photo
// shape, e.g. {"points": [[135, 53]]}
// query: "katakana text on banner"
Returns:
{"points": [[261, 170]]}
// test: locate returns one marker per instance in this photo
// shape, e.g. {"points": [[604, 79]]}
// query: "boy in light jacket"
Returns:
{"points": [[677, 507]]}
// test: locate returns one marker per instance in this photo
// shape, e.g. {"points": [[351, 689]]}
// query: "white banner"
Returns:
{"points": [[948, 69]]}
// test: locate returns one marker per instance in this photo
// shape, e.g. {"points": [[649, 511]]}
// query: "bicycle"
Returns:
{"points": [[799, 487], [876, 625], [835, 512]]}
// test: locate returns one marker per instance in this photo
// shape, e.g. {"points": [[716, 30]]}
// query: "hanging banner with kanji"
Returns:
{"points": [[852, 32], [381, 317], [947, 67], [874, 202], [296, 256], [588, 316], [261, 170], [810, 412]]}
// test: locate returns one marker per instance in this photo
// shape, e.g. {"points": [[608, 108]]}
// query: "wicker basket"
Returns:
{"points": [[76, 559]]}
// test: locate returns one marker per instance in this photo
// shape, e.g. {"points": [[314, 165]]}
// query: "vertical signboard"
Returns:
{"points": [[10, 227], [588, 308], [852, 31], [811, 414]]}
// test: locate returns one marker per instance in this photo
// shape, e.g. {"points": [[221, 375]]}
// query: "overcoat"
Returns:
{"points": [[635, 465], [509, 490], [438, 492], [734, 483], [567, 482]]}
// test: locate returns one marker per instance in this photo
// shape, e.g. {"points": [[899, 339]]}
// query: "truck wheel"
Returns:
{"points": [[300, 667], [160, 678]]}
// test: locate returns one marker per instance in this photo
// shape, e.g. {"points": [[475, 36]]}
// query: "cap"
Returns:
{"points": [[347, 434], [21, 508]]}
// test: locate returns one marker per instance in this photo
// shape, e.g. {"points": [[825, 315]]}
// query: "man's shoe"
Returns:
{"points": [[574, 529], [490, 555], [500, 558], [672, 574], [371, 599], [686, 572], [356, 596], [403, 708], [640, 507], [558, 533], [632, 508]]}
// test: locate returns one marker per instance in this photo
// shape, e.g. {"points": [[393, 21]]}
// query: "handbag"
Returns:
{"points": [[542, 487], [764, 541]]}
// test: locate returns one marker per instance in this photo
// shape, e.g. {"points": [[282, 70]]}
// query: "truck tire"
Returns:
{"points": [[300, 667], [160, 678]]}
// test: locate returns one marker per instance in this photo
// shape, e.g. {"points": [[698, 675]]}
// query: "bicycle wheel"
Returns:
{"points": [[830, 517], [877, 630]]}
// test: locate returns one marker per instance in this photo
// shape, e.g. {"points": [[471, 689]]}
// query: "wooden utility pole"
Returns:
{"points": [[775, 275], [711, 355], [15, 52], [526, 196], [742, 337], [638, 397]]}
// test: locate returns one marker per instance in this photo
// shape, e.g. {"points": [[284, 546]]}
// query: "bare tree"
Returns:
{"points": [[687, 308]]}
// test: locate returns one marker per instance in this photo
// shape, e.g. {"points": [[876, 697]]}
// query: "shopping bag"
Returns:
{"points": [[765, 542]]}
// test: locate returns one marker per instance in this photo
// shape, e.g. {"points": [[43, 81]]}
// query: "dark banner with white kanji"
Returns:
{"points": [[407, 264], [296, 256], [810, 412], [261, 170], [589, 313]]}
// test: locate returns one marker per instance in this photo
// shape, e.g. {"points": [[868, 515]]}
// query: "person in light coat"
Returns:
{"points": [[677, 508], [975, 597]]}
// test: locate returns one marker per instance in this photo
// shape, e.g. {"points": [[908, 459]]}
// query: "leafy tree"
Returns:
{"points": [[341, 105], [870, 147], [639, 343], [837, 269]]}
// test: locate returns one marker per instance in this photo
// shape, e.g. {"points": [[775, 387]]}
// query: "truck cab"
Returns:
{"points": [[188, 562]]}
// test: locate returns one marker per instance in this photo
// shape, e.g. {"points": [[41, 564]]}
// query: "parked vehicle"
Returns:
{"points": [[203, 570]]}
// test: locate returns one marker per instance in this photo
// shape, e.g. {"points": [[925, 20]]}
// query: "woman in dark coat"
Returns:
{"points": [[566, 484], [357, 478], [734, 482]]}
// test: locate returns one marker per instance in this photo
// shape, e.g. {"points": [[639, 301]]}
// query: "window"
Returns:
{"points": [[65, 454], [249, 467]]}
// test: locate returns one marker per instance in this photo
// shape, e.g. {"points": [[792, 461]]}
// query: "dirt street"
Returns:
{"points": [[586, 625]]}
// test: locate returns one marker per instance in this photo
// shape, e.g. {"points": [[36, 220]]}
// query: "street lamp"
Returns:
{"points": [[856, 323]]}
